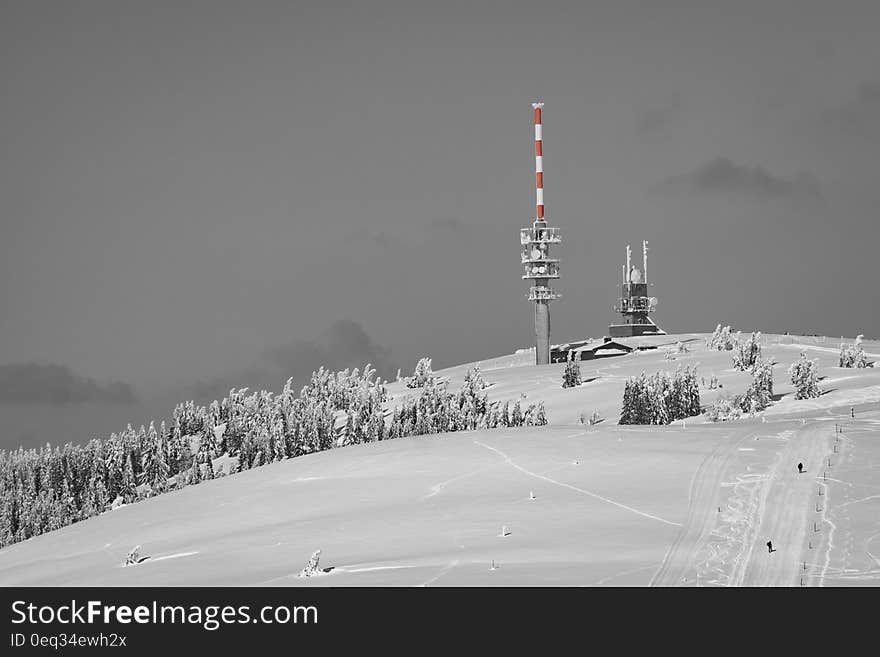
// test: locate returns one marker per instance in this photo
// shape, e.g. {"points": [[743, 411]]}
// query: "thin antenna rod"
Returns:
{"points": [[628, 263]]}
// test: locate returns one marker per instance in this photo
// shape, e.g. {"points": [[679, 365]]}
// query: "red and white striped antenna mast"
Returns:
{"points": [[536, 260], [539, 160]]}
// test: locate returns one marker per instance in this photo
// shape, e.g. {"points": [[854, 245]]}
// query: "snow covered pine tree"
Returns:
{"points": [[804, 378], [571, 376]]}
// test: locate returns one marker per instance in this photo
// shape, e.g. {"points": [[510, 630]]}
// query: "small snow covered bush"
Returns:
{"points": [[723, 409], [746, 353], [591, 419], [421, 375], [134, 556], [756, 398], [721, 339], [805, 378], [853, 356], [473, 379]]}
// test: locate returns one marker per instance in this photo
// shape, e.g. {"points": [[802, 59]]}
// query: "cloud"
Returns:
{"points": [[825, 49], [447, 225], [721, 176], [218, 387], [654, 120], [860, 116], [33, 383], [364, 234], [344, 345]]}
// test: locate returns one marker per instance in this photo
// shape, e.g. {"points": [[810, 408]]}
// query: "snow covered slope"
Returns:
{"points": [[686, 504]]}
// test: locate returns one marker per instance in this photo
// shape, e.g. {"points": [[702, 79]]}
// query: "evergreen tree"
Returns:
{"points": [[505, 414], [661, 398], [473, 380], [154, 468], [627, 415], [348, 431], [724, 408], [7, 517], [516, 419], [128, 489], [721, 339], [422, 375], [805, 378], [571, 376], [853, 356], [540, 415], [758, 395], [195, 472], [209, 467], [747, 353]]}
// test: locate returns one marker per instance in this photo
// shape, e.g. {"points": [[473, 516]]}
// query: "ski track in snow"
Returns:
{"points": [[437, 488], [452, 564], [369, 569], [864, 499], [605, 580], [178, 555], [830, 350], [574, 488]]}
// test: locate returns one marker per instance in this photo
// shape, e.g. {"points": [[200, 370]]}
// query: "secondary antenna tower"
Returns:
{"points": [[634, 304]]}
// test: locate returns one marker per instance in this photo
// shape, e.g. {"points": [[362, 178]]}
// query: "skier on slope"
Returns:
{"points": [[800, 467], [770, 547]]}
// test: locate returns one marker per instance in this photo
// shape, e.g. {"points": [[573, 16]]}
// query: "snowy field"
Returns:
{"points": [[692, 503]]}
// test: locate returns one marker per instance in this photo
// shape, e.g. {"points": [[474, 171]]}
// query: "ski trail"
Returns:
{"points": [[574, 488], [452, 564], [696, 536], [605, 580], [864, 499], [369, 569], [437, 488], [172, 556], [830, 545]]}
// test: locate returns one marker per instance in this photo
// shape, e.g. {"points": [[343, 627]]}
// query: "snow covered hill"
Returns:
{"points": [[692, 503]]}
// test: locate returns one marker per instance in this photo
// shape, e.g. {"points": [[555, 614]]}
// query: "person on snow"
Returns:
{"points": [[800, 467], [770, 547]]}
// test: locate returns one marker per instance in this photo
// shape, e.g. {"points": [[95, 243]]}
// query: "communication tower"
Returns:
{"points": [[538, 264], [634, 304]]}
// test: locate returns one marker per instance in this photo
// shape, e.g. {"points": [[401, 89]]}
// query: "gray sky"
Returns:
{"points": [[196, 191]]}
